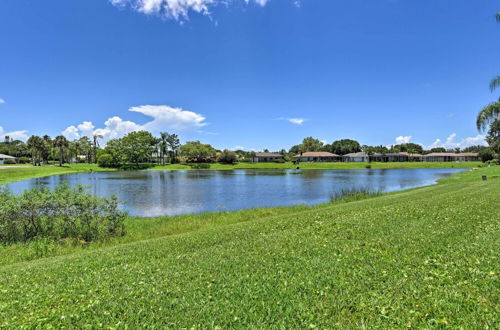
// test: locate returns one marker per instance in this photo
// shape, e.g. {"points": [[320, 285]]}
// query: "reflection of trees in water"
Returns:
{"points": [[313, 174]]}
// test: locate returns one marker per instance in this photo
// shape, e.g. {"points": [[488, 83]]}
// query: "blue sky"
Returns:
{"points": [[256, 74]]}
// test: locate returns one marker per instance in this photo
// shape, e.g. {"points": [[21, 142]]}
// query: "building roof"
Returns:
{"points": [[2, 156], [318, 154], [452, 154], [357, 154], [267, 154], [441, 154]]}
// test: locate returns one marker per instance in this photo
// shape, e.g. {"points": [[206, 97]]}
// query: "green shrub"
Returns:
{"points": [[106, 160], [135, 167], [9, 162], [62, 213], [200, 166], [228, 157], [280, 161], [486, 155], [24, 160]]}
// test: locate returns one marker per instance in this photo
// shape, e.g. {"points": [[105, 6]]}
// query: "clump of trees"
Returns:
{"points": [[228, 157], [197, 152], [345, 146], [134, 148], [62, 213]]}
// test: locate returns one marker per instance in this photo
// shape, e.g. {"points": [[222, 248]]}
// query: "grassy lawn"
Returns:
{"points": [[427, 257], [12, 173], [289, 165]]}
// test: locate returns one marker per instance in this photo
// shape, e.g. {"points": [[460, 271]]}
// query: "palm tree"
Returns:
{"points": [[95, 146], [495, 82], [487, 116], [164, 137], [36, 144], [61, 142], [491, 113]]}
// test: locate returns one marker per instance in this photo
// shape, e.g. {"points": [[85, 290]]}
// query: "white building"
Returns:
{"points": [[3, 158]]}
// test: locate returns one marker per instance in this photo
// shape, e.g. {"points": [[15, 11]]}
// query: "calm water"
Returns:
{"points": [[156, 193]]}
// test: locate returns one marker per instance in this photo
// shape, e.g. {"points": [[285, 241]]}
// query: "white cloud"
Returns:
{"points": [[403, 139], [164, 118], [451, 143], [238, 148], [116, 127], [176, 9], [86, 128], [2, 101], [15, 135], [295, 121], [71, 133]]}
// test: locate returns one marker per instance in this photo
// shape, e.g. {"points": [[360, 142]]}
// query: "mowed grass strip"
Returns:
{"points": [[421, 258], [17, 173]]}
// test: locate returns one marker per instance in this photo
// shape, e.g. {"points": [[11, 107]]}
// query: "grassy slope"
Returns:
{"points": [[425, 257], [326, 165], [17, 173]]}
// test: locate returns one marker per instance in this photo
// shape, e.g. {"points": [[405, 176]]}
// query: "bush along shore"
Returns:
{"points": [[427, 257], [63, 213]]}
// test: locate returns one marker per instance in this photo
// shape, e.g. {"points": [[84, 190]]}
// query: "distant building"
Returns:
{"points": [[451, 157], [320, 156], [358, 157], [266, 157], [3, 158], [402, 157]]}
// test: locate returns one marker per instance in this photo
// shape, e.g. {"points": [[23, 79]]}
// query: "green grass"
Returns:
{"points": [[339, 165], [17, 173], [427, 257]]}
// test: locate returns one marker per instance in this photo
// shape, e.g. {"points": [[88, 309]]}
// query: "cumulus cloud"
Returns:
{"points": [[15, 135], [71, 133], [163, 118], [2, 101], [403, 139], [452, 143], [175, 9]]}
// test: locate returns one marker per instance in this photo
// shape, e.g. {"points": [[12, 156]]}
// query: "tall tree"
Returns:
{"points": [[164, 137], [345, 146], [489, 117], [36, 145], [62, 143], [174, 143], [311, 144], [95, 146]]}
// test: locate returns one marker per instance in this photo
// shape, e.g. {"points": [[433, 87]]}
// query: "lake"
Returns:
{"points": [[159, 193]]}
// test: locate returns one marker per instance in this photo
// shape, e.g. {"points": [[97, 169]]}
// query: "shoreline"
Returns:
{"points": [[13, 173]]}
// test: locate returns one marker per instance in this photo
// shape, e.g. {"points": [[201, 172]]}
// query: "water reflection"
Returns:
{"points": [[156, 193]]}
